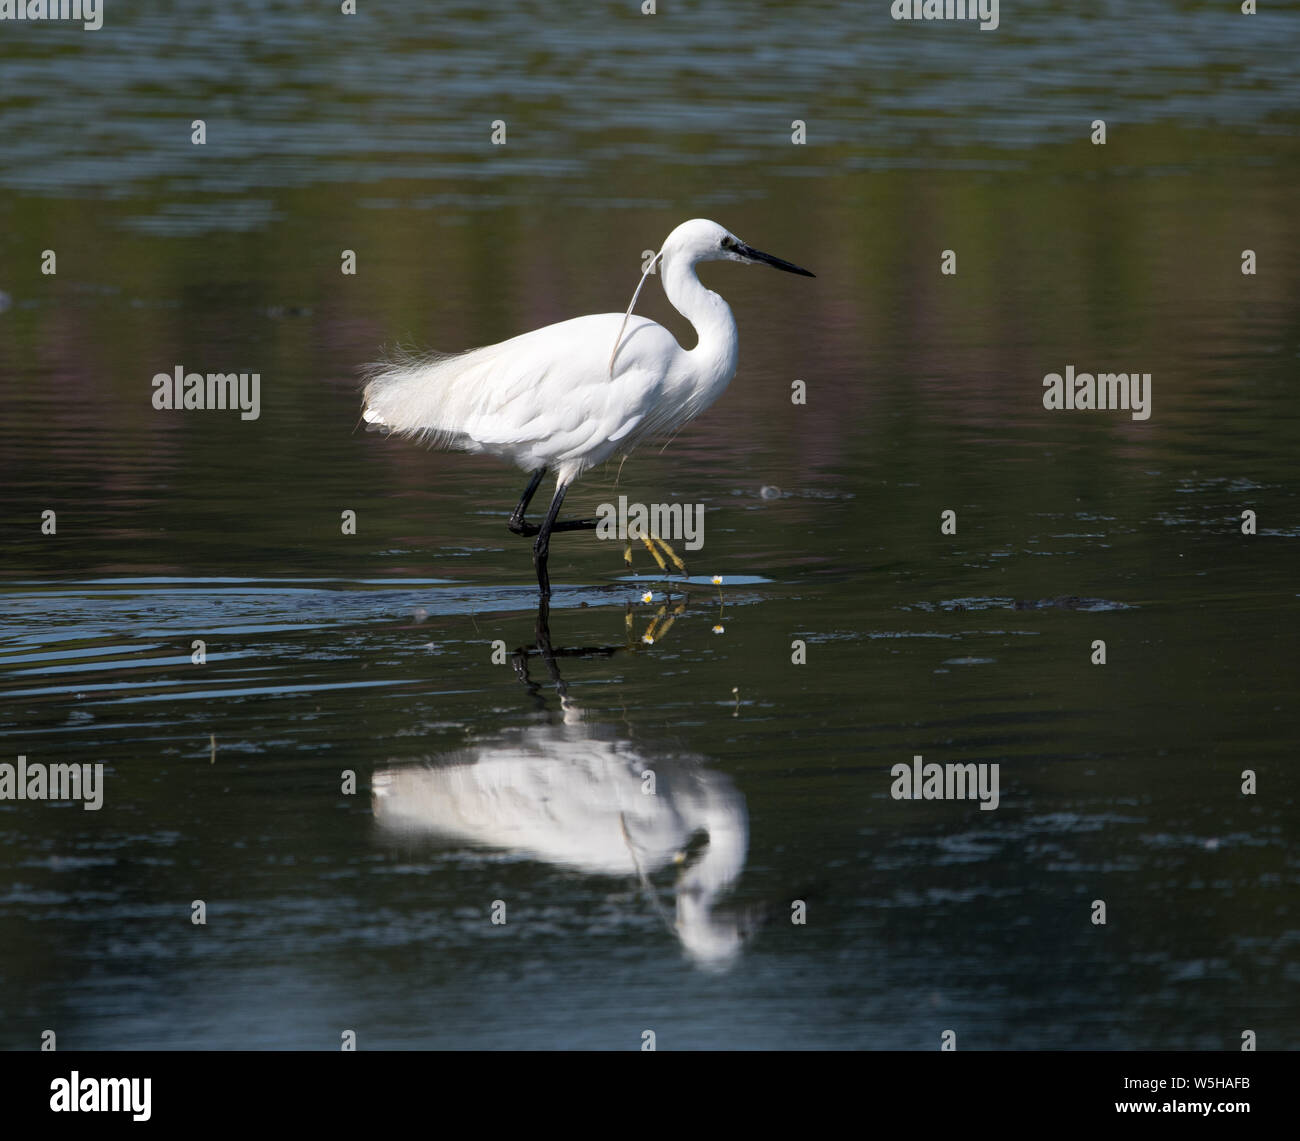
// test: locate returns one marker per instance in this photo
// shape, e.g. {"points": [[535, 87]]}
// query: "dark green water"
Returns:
{"points": [[373, 653]]}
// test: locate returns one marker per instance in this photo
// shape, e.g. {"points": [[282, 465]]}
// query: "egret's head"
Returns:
{"points": [[702, 240]]}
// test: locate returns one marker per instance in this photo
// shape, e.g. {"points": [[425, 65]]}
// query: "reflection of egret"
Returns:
{"points": [[569, 396], [571, 795]]}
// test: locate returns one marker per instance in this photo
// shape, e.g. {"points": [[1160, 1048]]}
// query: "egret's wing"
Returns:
{"points": [[549, 388], [625, 428]]}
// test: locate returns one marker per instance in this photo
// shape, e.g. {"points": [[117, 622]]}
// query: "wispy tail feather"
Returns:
{"points": [[416, 394]]}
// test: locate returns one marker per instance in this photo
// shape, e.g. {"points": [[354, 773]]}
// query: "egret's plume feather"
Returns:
{"points": [[631, 305], [425, 395]]}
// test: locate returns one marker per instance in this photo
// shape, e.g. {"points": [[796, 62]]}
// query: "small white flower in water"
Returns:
{"points": [[717, 580], [718, 629], [648, 639], [648, 596]]}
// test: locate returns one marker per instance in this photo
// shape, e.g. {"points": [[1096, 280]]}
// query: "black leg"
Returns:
{"points": [[542, 544], [520, 526], [517, 524]]}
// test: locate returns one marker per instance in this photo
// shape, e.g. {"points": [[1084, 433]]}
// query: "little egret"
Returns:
{"points": [[574, 795], [568, 396]]}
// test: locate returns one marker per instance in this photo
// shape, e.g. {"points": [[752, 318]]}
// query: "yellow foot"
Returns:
{"points": [[677, 562], [654, 545], [650, 546]]}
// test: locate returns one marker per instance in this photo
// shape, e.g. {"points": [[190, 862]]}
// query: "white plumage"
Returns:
{"points": [[575, 796], [561, 398], [540, 400]]}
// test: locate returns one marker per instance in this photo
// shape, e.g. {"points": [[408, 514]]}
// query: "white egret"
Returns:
{"points": [[568, 396], [574, 795]]}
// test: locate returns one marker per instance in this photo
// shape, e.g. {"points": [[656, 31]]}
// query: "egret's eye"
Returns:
{"points": [[728, 243]]}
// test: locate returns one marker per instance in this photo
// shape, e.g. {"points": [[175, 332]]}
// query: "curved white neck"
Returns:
{"points": [[706, 936], [709, 315]]}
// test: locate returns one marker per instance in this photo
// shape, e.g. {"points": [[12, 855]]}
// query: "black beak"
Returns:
{"points": [[767, 259]]}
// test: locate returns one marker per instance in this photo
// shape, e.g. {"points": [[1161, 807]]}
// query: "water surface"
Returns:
{"points": [[497, 760]]}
